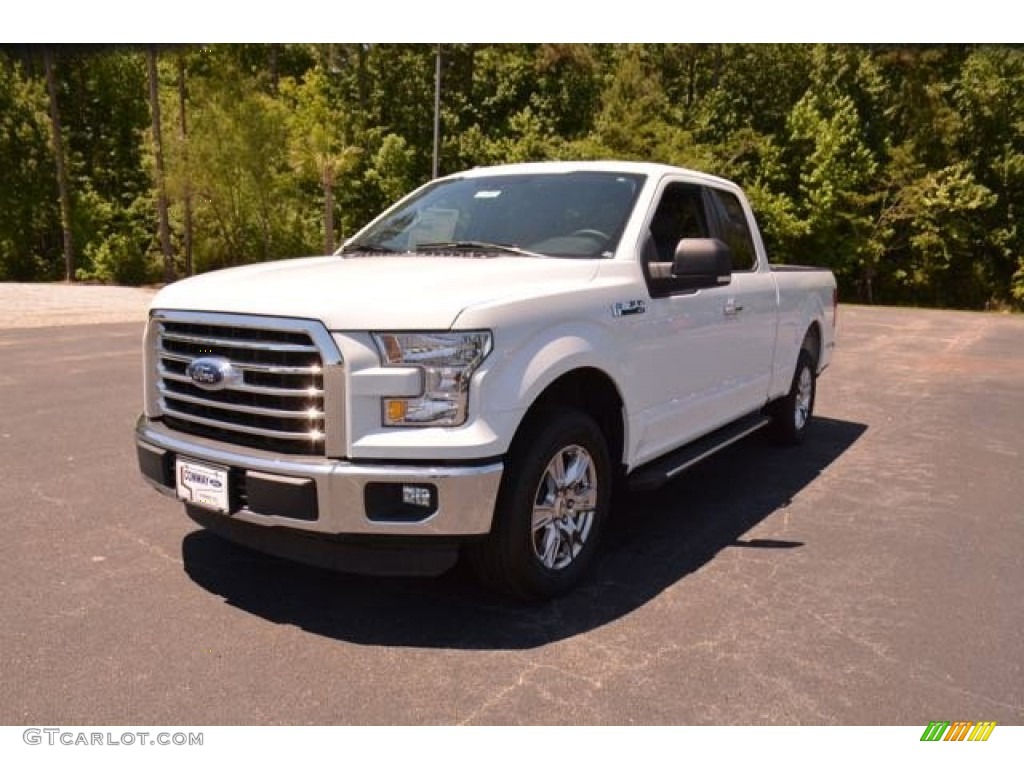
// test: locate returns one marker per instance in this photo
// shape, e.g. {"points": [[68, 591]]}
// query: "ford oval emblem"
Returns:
{"points": [[213, 373]]}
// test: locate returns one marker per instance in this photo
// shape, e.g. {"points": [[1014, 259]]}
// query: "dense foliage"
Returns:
{"points": [[900, 167]]}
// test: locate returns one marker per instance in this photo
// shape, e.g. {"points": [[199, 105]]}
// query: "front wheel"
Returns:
{"points": [[553, 503], [792, 413]]}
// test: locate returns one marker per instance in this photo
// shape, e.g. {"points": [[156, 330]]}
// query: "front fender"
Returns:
{"points": [[527, 366]]}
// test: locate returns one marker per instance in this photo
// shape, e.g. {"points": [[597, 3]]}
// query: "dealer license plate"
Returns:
{"points": [[202, 484]]}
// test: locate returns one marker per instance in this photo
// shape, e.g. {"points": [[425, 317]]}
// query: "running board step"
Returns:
{"points": [[663, 470]]}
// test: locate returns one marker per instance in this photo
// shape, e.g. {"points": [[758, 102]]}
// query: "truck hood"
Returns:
{"points": [[367, 293]]}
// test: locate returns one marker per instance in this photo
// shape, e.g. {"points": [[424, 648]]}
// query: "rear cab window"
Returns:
{"points": [[734, 229]]}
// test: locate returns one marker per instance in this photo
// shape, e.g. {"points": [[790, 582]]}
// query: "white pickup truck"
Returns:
{"points": [[477, 368]]}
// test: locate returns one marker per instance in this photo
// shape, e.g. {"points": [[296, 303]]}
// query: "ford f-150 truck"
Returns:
{"points": [[477, 368]]}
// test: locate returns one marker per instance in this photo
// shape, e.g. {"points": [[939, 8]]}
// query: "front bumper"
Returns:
{"points": [[337, 497]]}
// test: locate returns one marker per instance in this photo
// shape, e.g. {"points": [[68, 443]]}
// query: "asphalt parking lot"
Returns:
{"points": [[872, 576]]}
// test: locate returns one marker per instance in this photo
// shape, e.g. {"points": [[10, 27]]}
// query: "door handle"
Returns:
{"points": [[731, 307]]}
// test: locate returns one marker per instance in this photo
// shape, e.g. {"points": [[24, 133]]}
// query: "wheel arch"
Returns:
{"points": [[591, 391], [812, 343]]}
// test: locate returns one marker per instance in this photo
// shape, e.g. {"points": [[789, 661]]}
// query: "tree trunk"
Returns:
{"points": [[691, 77], [183, 128], [272, 63], [62, 168], [328, 178], [361, 79], [437, 113], [158, 145], [868, 282]]}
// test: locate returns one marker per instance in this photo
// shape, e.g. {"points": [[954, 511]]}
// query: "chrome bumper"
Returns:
{"points": [[466, 495]]}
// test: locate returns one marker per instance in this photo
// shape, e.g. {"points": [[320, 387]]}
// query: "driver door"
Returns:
{"points": [[680, 351]]}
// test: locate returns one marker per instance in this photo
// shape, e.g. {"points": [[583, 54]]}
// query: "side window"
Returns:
{"points": [[734, 230], [680, 213]]}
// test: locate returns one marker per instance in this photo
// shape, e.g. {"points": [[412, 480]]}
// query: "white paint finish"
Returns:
{"points": [[751, 340], [676, 354], [683, 367], [375, 293]]}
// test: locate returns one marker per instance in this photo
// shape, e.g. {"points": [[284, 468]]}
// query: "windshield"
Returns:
{"points": [[580, 214]]}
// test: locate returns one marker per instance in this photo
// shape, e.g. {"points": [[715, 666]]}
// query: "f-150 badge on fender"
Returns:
{"points": [[631, 307]]}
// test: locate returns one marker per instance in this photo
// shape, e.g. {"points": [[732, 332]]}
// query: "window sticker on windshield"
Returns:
{"points": [[488, 193], [435, 225]]}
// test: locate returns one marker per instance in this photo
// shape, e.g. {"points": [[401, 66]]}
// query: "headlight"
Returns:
{"points": [[447, 361]]}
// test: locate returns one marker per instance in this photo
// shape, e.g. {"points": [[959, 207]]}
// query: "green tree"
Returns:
{"points": [[158, 157], [60, 163], [902, 167], [836, 173], [247, 203], [631, 121], [29, 216], [392, 168], [320, 146], [990, 94]]}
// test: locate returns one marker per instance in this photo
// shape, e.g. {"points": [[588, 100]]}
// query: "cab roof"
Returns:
{"points": [[652, 170]]}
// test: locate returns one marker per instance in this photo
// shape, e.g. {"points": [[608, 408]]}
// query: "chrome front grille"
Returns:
{"points": [[275, 399]]}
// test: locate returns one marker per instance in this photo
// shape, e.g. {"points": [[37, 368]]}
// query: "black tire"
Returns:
{"points": [[792, 413], [550, 560]]}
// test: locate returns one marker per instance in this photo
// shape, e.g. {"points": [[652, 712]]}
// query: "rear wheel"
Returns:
{"points": [[552, 507], [791, 414]]}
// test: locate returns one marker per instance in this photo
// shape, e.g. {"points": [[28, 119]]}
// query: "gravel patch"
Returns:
{"points": [[37, 305]]}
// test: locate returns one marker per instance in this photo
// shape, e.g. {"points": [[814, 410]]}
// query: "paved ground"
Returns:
{"points": [[871, 577], [35, 305]]}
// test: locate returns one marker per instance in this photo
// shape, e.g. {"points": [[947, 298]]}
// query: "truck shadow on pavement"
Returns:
{"points": [[654, 540]]}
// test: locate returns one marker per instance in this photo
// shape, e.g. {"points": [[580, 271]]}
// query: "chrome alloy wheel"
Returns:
{"points": [[804, 394], [563, 507]]}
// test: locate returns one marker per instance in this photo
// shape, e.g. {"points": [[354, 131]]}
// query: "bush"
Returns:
{"points": [[120, 259]]}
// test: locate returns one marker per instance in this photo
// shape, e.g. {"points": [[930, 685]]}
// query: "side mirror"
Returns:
{"points": [[703, 262]]}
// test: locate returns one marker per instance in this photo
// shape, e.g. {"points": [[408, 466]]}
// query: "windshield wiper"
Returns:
{"points": [[477, 245], [367, 248]]}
